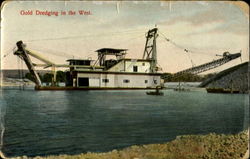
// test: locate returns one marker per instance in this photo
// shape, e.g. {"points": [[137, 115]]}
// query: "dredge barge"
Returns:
{"points": [[118, 73]]}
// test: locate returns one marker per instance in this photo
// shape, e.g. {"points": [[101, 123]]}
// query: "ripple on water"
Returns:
{"points": [[53, 122]]}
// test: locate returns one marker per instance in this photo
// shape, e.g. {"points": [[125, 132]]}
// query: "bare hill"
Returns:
{"points": [[236, 77]]}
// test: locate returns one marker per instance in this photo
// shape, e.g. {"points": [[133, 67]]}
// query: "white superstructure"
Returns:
{"points": [[127, 73], [118, 71]]}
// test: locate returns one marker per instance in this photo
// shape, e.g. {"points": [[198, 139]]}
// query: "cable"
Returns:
{"points": [[183, 48], [8, 52], [128, 40], [59, 53], [19, 73], [190, 60], [83, 36], [56, 53], [22, 74]]}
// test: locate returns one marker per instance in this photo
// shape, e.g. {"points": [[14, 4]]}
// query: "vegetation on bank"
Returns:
{"points": [[211, 146], [187, 77], [47, 77]]}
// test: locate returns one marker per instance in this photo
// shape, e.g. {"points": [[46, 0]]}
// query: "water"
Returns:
{"points": [[2, 127], [72, 122]]}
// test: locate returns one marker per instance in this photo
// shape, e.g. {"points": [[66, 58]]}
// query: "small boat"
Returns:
{"points": [[155, 93]]}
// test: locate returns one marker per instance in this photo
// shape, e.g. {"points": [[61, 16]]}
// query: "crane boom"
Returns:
{"points": [[22, 53], [210, 65], [33, 54], [25, 54]]}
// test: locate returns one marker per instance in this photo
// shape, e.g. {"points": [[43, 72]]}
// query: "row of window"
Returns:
{"points": [[126, 81]]}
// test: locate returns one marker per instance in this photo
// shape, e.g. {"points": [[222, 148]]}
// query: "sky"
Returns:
{"points": [[203, 28]]}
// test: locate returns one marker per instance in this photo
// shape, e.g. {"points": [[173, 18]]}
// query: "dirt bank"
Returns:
{"points": [[211, 146]]}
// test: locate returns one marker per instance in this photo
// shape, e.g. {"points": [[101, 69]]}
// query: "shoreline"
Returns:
{"points": [[210, 146]]}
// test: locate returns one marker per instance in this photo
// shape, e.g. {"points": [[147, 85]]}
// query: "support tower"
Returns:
{"points": [[150, 52]]}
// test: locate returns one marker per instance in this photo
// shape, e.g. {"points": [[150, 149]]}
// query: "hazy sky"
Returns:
{"points": [[204, 28]]}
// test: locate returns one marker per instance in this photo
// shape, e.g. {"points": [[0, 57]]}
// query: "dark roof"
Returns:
{"points": [[111, 50], [79, 60]]}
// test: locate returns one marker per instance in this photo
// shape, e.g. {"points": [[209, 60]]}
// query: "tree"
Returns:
{"points": [[47, 77], [60, 76], [168, 77], [186, 77], [29, 76]]}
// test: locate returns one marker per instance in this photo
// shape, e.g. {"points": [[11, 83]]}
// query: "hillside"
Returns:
{"points": [[236, 77]]}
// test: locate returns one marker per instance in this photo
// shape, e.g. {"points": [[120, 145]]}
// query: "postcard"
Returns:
{"points": [[124, 79]]}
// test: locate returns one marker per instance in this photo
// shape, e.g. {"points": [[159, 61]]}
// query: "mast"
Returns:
{"points": [[150, 51]]}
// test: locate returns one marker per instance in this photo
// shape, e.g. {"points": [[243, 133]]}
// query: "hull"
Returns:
{"points": [[102, 80], [221, 90], [96, 80], [55, 88]]}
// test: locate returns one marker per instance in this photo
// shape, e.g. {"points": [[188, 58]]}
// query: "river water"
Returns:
{"points": [[72, 122]]}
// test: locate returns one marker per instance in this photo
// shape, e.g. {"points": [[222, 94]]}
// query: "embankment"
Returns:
{"points": [[211, 146], [236, 78]]}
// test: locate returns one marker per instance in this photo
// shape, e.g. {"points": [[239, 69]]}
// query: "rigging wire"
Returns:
{"points": [[188, 54], [19, 73], [184, 48], [22, 75], [128, 40], [60, 53], [188, 51], [192, 63], [56, 53], [84, 36], [63, 54], [8, 52]]}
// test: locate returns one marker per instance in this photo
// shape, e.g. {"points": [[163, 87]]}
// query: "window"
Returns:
{"points": [[126, 81], [135, 68], [105, 80], [146, 81], [155, 81]]}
